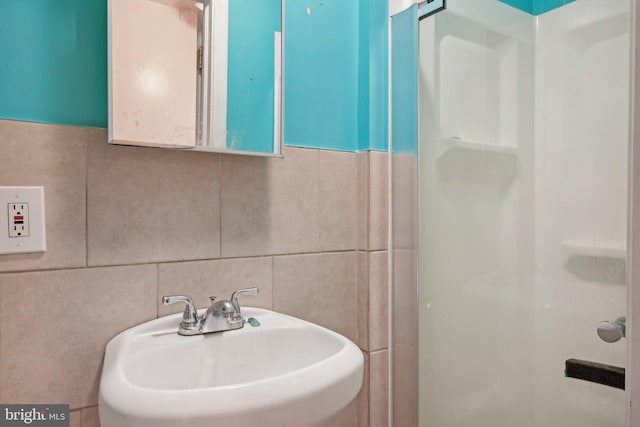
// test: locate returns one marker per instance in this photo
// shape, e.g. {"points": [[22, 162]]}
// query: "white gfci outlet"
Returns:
{"points": [[22, 224], [18, 219]]}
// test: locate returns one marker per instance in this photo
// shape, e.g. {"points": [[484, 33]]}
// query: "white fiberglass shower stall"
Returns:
{"points": [[511, 170]]}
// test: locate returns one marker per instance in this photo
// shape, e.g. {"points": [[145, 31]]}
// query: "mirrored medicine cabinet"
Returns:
{"points": [[197, 76]]}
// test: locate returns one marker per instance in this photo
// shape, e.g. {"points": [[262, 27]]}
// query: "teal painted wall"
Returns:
{"points": [[53, 61], [372, 75], [336, 71], [536, 7], [364, 81], [53, 68], [250, 81], [378, 104], [321, 74]]}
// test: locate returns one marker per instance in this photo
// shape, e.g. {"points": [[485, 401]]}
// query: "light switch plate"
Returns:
{"points": [[34, 239]]}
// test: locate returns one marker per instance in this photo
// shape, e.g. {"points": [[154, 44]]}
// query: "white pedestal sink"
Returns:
{"points": [[285, 372]]}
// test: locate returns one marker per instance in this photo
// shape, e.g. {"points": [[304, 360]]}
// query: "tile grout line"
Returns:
{"points": [[273, 291], [368, 203], [82, 408], [220, 175], [86, 199], [318, 201], [1, 365], [156, 300], [154, 262]]}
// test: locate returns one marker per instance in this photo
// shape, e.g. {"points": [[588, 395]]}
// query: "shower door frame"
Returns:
{"points": [[633, 268]]}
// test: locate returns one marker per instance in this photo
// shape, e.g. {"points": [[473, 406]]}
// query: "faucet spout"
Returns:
{"points": [[221, 315]]}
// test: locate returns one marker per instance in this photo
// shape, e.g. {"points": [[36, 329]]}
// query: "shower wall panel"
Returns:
{"points": [[580, 215]]}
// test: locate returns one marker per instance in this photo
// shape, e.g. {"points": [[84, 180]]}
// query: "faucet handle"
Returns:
{"points": [[237, 317], [247, 291], [190, 315]]}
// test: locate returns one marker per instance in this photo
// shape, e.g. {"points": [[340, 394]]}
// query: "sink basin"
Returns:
{"points": [[285, 372]]}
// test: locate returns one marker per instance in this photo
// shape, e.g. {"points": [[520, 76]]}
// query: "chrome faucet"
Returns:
{"points": [[223, 315]]}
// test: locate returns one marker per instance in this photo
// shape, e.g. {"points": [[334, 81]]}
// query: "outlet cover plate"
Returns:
{"points": [[36, 240]]}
